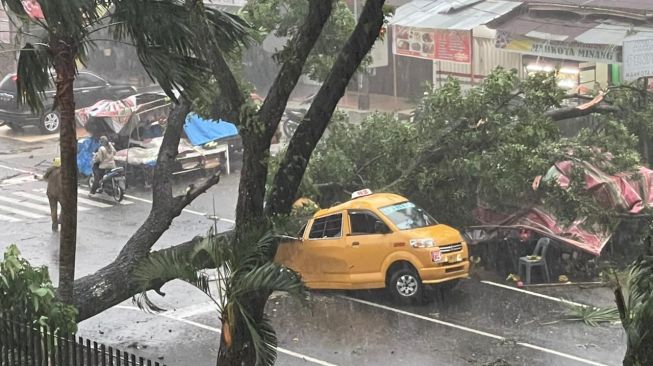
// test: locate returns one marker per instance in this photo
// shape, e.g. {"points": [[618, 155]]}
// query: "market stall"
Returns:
{"points": [[136, 125]]}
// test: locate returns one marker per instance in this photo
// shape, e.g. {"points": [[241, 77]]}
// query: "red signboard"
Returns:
{"points": [[433, 44]]}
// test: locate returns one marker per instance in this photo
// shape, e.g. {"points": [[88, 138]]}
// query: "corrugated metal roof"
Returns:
{"points": [[606, 32], [635, 5], [451, 14]]}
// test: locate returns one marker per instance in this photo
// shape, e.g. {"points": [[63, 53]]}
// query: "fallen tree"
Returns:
{"points": [[112, 284]]}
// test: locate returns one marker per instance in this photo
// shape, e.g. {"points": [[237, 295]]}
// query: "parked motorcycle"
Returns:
{"points": [[292, 117], [113, 183], [291, 120]]}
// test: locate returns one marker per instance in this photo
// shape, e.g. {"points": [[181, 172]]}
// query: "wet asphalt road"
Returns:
{"points": [[476, 324]]}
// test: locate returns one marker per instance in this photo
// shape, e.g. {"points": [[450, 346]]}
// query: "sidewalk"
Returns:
{"points": [[349, 102]]}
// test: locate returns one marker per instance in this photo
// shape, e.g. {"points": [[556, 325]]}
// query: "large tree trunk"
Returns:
{"points": [[257, 129], [65, 101], [308, 134]]}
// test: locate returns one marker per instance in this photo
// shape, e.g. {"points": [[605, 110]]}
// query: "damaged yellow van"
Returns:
{"points": [[373, 241]]}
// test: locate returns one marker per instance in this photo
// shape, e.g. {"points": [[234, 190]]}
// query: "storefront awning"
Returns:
{"points": [[451, 14], [442, 29], [596, 41], [589, 32]]}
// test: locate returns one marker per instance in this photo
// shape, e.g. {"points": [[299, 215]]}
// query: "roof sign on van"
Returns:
{"points": [[361, 193]]}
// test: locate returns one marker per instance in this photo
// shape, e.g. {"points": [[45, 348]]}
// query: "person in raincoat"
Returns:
{"points": [[103, 160]]}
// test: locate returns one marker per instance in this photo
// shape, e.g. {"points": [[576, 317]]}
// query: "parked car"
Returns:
{"points": [[377, 241], [88, 87]]}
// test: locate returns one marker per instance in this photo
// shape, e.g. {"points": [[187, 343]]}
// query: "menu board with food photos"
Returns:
{"points": [[433, 44]]}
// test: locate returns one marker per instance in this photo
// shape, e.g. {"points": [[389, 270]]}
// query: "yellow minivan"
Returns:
{"points": [[373, 241]]}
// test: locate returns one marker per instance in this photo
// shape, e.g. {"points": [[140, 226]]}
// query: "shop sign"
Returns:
{"points": [[433, 44], [638, 59], [557, 49]]}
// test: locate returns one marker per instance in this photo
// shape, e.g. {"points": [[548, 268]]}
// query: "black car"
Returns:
{"points": [[89, 88]]}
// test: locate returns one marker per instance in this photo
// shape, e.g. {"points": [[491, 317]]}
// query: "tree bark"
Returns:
{"points": [[308, 134], [64, 63], [258, 128], [112, 284]]}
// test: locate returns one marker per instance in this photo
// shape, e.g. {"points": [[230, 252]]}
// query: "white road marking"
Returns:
{"points": [[123, 202], [474, 331], [16, 169], [18, 180], [9, 218], [16, 211], [45, 199], [93, 203], [103, 197], [216, 330], [557, 299], [185, 210], [33, 206], [193, 310]]}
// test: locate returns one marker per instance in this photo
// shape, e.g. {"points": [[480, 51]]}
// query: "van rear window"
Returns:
{"points": [[326, 227]]}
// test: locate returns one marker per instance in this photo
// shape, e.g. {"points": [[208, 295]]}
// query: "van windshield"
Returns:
{"points": [[407, 215]]}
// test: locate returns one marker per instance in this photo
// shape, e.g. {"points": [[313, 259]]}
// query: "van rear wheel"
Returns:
{"points": [[405, 286]]}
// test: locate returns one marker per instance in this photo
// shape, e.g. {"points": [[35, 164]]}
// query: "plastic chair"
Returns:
{"points": [[538, 259]]}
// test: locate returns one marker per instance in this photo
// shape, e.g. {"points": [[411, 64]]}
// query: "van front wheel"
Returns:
{"points": [[405, 286]]}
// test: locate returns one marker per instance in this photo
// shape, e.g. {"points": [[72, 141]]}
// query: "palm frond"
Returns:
{"points": [[640, 279], [215, 249], [593, 316], [160, 267], [33, 75], [637, 302], [269, 277], [264, 339], [231, 31], [254, 249], [166, 41]]}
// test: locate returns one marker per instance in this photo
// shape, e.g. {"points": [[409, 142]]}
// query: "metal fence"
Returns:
{"points": [[25, 344]]}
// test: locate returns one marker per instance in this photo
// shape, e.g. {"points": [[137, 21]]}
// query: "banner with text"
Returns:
{"points": [[638, 59], [433, 44], [556, 49]]}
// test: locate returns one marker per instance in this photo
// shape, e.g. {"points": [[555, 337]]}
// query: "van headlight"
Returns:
{"points": [[422, 243]]}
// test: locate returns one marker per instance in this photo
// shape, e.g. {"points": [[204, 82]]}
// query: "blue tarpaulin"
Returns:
{"points": [[85, 149], [201, 131]]}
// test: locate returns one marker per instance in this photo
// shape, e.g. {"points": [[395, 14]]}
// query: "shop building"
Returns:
{"points": [[583, 41], [431, 40]]}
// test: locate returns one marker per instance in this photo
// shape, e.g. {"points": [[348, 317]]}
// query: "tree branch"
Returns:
{"points": [[162, 185], [292, 168], [195, 191], [112, 284], [573, 112], [299, 47]]}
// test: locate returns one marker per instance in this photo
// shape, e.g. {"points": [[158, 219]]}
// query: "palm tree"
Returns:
{"points": [[635, 304], [243, 269], [162, 32]]}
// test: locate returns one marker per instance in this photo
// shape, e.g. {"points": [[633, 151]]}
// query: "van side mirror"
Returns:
{"points": [[380, 227]]}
